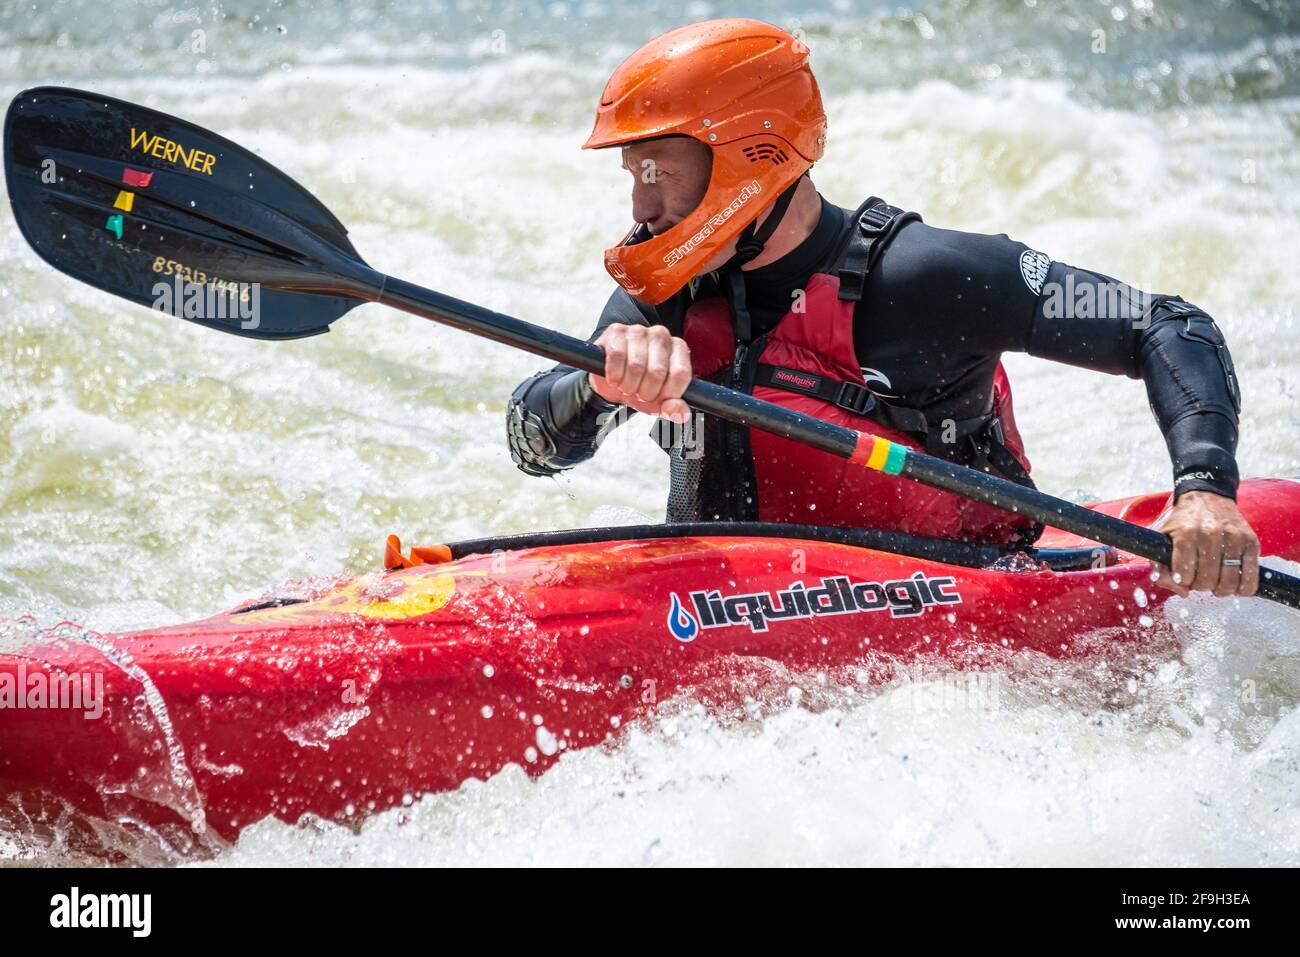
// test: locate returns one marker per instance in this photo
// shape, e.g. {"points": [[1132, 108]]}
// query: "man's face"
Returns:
{"points": [[669, 178]]}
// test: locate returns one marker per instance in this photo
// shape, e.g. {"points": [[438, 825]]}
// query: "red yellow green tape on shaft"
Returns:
{"points": [[880, 455]]}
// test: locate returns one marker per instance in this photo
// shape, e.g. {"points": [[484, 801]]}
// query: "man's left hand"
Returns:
{"points": [[1214, 547]]}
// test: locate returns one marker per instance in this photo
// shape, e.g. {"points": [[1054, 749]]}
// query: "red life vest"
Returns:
{"points": [[796, 484]]}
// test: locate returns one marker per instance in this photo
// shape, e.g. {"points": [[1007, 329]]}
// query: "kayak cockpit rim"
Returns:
{"points": [[946, 551]]}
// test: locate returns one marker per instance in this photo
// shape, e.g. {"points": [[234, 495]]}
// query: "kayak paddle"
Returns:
{"points": [[166, 214]]}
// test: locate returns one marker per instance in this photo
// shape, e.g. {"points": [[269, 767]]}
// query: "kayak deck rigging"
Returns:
{"points": [[947, 551]]}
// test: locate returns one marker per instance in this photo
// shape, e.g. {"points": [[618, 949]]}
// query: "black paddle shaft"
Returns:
{"points": [[817, 433], [133, 201]]}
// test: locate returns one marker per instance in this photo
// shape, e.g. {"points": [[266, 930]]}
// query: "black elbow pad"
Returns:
{"points": [[554, 421], [1197, 326], [1186, 364], [531, 447]]}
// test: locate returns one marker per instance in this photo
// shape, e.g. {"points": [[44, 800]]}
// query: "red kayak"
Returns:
{"points": [[368, 693]]}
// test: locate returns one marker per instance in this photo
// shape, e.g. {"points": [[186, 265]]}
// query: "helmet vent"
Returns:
{"points": [[765, 151]]}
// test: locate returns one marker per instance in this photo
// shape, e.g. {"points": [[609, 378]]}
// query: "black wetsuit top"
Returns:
{"points": [[939, 309]]}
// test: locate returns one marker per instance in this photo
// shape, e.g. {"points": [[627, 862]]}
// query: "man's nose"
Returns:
{"points": [[647, 206]]}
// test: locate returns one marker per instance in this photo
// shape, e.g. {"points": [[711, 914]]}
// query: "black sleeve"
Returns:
{"points": [[554, 421], [964, 297], [955, 294], [1091, 320]]}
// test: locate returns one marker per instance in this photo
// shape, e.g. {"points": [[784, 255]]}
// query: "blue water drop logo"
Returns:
{"points": [[681, 622]]}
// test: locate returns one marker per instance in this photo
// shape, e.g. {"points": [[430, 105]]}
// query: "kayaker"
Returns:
{"points": [[739, 271]]}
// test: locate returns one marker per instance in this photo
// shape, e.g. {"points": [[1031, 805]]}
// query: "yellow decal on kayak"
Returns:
{"points": [[382, 597], [409, 599]]}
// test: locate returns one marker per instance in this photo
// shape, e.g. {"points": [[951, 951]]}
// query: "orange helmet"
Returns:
{"points": [[744, 89]]}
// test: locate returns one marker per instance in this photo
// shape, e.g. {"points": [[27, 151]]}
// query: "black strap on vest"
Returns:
{"points": [[741, 324], [850, 396], [962, 440], [876, 226], [751, 243]]}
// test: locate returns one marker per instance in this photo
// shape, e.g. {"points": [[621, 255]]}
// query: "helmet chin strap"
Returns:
{"points": [[751, 243]]}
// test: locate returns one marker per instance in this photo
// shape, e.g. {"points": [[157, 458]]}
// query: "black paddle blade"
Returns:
{"points": [[169, 215]]}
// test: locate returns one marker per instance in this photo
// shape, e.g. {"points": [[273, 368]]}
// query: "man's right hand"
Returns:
{"points": [[646, 369]]}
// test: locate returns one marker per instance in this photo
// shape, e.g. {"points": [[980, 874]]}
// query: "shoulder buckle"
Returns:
{"points": [[855, 398], [876, 224], [876, 219]]}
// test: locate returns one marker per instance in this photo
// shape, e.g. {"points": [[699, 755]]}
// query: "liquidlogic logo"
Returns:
{"points": [[838, 595]]}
